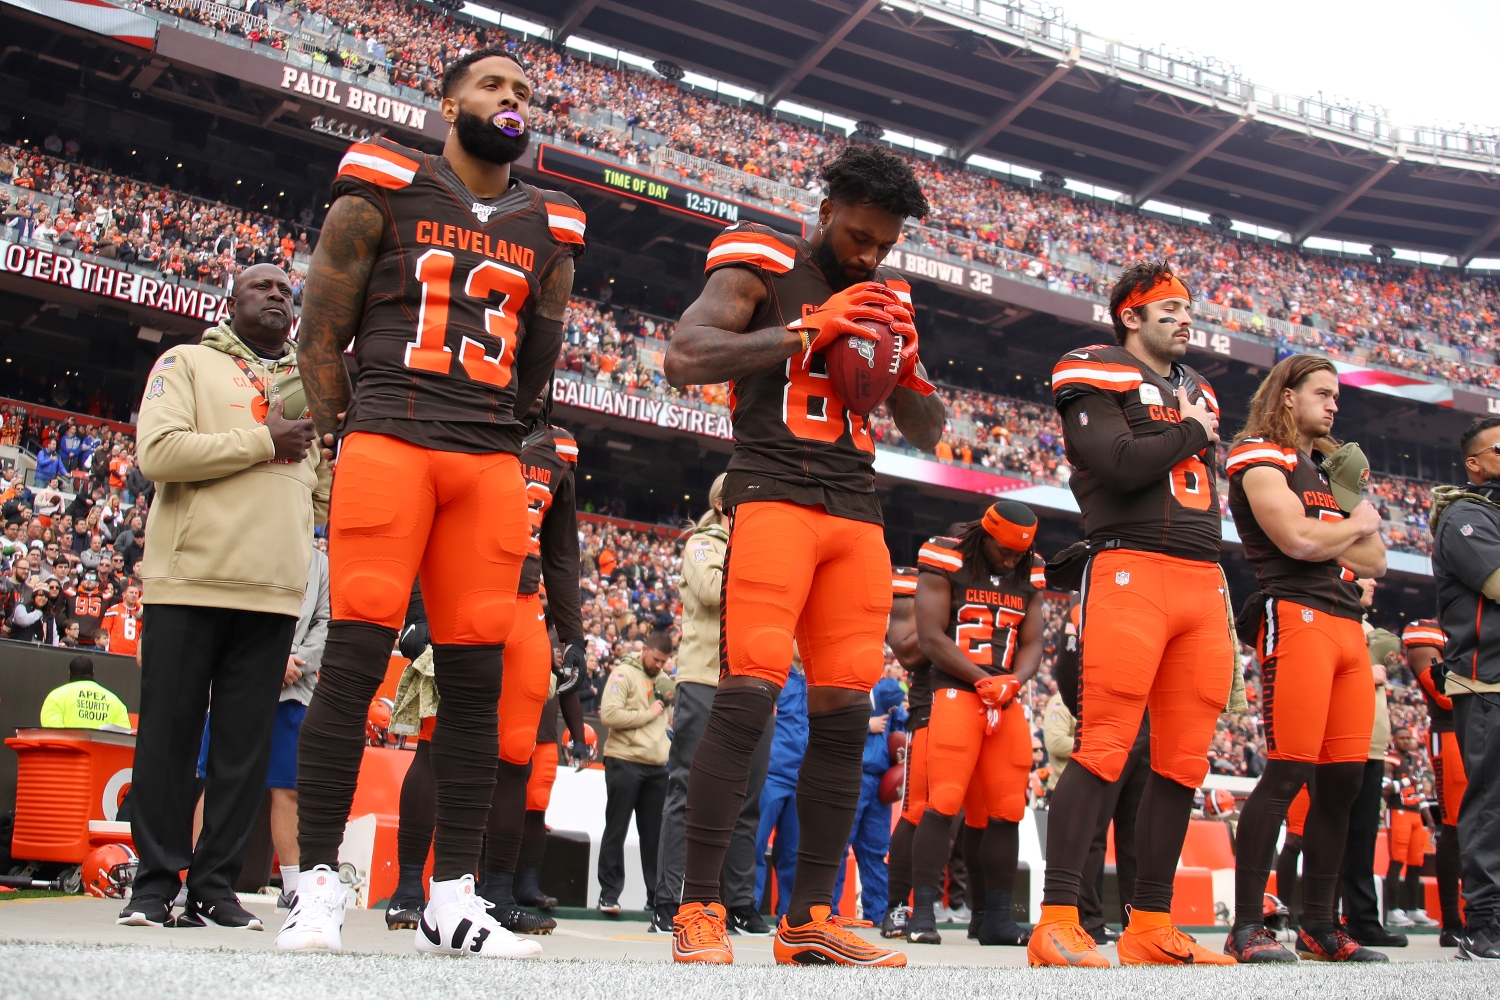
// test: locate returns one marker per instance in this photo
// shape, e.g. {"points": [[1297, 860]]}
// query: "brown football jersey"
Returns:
{"points": [[1143, 476], [451, 300], [1325, 586], [985, 611], [793, 439], [547, 462]]}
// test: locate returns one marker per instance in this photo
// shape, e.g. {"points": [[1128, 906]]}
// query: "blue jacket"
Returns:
{"points": [[790, 741], [885, 698], [72, 444], [48, 466]]}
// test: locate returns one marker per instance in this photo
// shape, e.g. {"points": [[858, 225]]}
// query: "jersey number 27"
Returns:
{"points": [[430, 351]]}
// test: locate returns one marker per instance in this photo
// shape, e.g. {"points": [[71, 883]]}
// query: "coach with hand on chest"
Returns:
{"points": [[227, 551]]}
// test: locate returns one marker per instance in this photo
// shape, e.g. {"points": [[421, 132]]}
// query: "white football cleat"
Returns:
{"points": [[458, 922], [1420, 918], [316, 921], [1398, 918]]}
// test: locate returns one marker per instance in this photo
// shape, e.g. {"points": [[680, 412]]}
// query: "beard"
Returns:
{"points": [[833, 272], [481, 139]]}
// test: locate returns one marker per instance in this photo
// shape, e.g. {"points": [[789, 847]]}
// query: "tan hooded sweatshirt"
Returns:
{"points": [[231, 527]]}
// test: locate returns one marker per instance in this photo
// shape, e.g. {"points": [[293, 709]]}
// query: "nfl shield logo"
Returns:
{"points": [[1466, 530], [1083, 417], [1122, 578], [1307, 614]]}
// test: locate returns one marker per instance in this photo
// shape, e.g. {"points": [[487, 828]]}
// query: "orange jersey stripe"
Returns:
{"points": [[736, 247]]}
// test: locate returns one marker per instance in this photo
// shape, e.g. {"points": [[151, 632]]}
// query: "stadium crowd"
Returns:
{"points": [[93, 211], [1431, 322]]}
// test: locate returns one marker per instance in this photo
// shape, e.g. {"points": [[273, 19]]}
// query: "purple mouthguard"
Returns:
{"points": [[509, 122]]}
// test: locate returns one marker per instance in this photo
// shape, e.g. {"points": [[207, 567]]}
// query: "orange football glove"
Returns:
{"points": [[906, 327], [997, 691], [837, 316]]}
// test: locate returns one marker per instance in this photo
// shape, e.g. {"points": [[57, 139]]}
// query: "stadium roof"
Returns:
{"points": [[1008, 81]]}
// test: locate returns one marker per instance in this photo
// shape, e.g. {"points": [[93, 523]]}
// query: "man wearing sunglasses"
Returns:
{"points": [[1466, 568]]}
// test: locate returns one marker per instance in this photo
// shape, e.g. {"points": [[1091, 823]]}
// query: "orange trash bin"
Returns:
{"points": [[69, 781]]}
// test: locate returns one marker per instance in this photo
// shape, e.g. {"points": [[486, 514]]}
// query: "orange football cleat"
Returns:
{"points": [[699, 934], [826, 940], [1152, 940], [1059, 939]]}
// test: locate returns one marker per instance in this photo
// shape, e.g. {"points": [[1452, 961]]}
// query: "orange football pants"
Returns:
{"points": [[458, 520], [914, 791], [1448, 768], [543, 774], [1296, 813], [795, 571], [1408, 837], [983, 775], [1155, 633], [524, 683], [1317, 692]]}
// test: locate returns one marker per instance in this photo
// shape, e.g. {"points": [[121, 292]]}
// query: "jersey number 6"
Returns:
{"points": [[430, 351]]}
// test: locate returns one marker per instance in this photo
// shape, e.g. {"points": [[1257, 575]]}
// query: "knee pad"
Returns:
{"points": [[516, 744], [1011, 808], [945, 794], [765, 647], [370, 590], [484, 618]]}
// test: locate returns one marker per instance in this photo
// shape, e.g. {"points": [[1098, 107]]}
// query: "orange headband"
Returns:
{"points": [[1008, 533], [1167, 287]]}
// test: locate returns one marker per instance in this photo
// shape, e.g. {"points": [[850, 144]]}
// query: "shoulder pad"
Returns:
{"points": [[1038, 572], [381, 162], [566, 445], [1258, 451], [940, 554], [565, 220], [895, 283], [903, 581], [757, 246], [1424, 633], [1088, 370]]}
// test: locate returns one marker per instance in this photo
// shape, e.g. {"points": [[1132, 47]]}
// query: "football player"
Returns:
{"points": [[451, 277], [1295, 497], [901, 636], [807, 555], [1424, 642], [979, 621], [1140, 429]]}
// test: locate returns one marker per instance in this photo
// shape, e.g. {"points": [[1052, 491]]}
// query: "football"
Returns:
{"points": [[891, 784], [864, 372]]}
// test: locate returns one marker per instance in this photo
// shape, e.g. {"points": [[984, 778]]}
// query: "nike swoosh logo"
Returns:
{"points": [[430, 933], [1184, 959], [1073, 957]]}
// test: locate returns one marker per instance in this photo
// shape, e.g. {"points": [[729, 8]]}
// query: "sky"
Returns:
{"points": [[1429, 63]]}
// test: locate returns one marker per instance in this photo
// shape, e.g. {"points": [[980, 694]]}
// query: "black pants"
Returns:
{"points": [[193, 660], [737, 878], [1122, 802], [1360, 907], [632, 788], [1476, 719]]}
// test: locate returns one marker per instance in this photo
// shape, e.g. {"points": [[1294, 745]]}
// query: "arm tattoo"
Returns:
{"points": [[711, 344], [334, 301], [552, 303]]}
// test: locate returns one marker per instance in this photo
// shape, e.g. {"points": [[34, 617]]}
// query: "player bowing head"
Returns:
{"points": [[1294, 494], [979, 621], [807, 552], [486, 97]]}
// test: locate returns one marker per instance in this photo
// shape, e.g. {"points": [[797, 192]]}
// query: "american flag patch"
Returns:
{"points": [[165, 363]]}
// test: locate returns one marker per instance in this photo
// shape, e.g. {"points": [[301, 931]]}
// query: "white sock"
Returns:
{"points": [[289, 875]]}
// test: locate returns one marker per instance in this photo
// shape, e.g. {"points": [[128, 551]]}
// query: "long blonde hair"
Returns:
{"points": [[1270, 418]]}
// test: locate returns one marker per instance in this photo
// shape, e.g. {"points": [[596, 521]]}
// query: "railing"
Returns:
{"points": [[302, 52], [1032, 24], [787, 197]]}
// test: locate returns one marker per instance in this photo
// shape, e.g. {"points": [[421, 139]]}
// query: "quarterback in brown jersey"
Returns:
{"points": [[807, 556], [1295, 497], [450, 275], [1140, 427]]}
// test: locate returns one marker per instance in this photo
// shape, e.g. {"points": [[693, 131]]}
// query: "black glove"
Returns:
{"points": [[570, 671], [414, 640], [581, 753]]}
